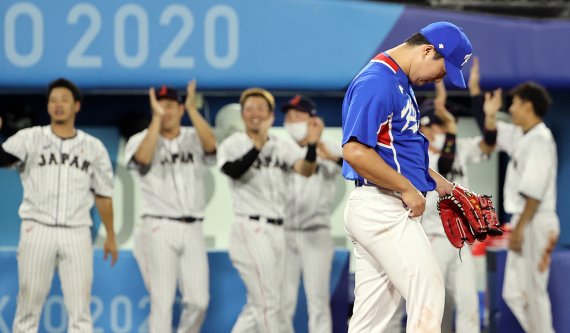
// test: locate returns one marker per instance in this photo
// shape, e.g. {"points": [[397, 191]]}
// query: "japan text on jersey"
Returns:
{"points": [[380, 111]]}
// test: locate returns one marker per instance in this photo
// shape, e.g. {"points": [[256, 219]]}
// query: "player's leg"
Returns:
{"points": [[291, 278], [464, 291], [394, 252], [317, 254], [160, 267], [542, 230], [194, 279], [445, 257], [257, 252], [75, 269], [514, 285], [514, 294], [36, 265]]}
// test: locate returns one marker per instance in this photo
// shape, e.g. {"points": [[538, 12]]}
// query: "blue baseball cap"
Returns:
{"points": [[452, 43]]}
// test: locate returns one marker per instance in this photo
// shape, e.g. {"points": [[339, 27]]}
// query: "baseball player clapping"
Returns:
{"points": [[170, 162]]}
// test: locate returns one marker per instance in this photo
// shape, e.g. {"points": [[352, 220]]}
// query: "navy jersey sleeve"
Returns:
{"points": [[368, 104]]}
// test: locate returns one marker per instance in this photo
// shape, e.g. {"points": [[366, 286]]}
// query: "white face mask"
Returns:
{"points": [[439, 141], [298, 130]]}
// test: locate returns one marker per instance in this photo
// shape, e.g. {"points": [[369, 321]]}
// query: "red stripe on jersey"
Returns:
{"points": [[387, 60], [384, 137]]}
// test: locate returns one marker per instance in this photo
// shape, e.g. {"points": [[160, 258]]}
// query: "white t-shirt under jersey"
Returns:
{"points": [[467, 151], [532, 169], [173, 185], [263, 188], [311, 198], [60, 176]]}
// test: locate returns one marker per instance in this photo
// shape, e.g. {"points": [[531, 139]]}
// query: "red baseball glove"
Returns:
{"points": [[467, 216]]}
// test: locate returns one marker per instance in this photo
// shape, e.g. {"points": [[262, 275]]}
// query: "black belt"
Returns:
{"points": [[183, 219], [269, 220], [358, 183]]}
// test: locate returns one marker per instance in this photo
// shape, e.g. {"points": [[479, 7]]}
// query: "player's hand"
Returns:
{"points": [[444, 188], [190, 102], [315, 130], [474, 78], [493, 102], [516, 239], [0, 122], [157, 109], [110, 248], [414, 201], [547, 254]]}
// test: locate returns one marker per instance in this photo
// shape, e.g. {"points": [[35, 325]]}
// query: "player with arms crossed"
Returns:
{"points": [[530, 196], [387, 158], [259, 166], [309, 244], [170, 161], [64, 171]]}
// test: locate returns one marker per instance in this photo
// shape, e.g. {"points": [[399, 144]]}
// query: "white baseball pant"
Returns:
{"points": [[309, 253], [459, 276], [525, 287], [393, 259], [171, 253], [257, 250], [42, 250]]}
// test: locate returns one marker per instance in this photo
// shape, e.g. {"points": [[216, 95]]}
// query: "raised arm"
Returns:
{"points": [[205, 132], [308, 165], [492, 105], [145, 152], [447, 156]]}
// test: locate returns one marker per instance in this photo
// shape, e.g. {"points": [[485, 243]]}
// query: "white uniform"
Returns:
{"points": [[169, 244], [60, 178], [458, 273], [531, 172], [257, 240], [309, 244]]}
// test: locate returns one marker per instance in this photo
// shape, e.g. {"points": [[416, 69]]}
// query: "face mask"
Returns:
{"points": [[298, 131], [439, 141]]}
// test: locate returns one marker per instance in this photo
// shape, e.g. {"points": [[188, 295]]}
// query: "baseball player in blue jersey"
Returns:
{"points": [[64, 171], [387, 158]]}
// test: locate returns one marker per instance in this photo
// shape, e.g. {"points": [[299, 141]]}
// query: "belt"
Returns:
{"points": [[358, 183], [183, 219], [269, 220]]}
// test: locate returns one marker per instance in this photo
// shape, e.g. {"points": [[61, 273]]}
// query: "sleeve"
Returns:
{"points": [[102, 177], [290, 152], [469, 152], [224, 153], [508, 136], [369, 104], [131, 148], [537, 171], [16, 145]]}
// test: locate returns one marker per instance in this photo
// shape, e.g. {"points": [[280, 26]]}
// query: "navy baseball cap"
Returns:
{"points": [[168, 93], [452, 43], [301, 103]]}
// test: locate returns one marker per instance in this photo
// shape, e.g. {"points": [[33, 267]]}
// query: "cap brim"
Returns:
{"points": [[454, 74]]}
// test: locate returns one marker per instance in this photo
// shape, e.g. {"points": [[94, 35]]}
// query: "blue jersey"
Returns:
{"points": [[380, 111]]}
